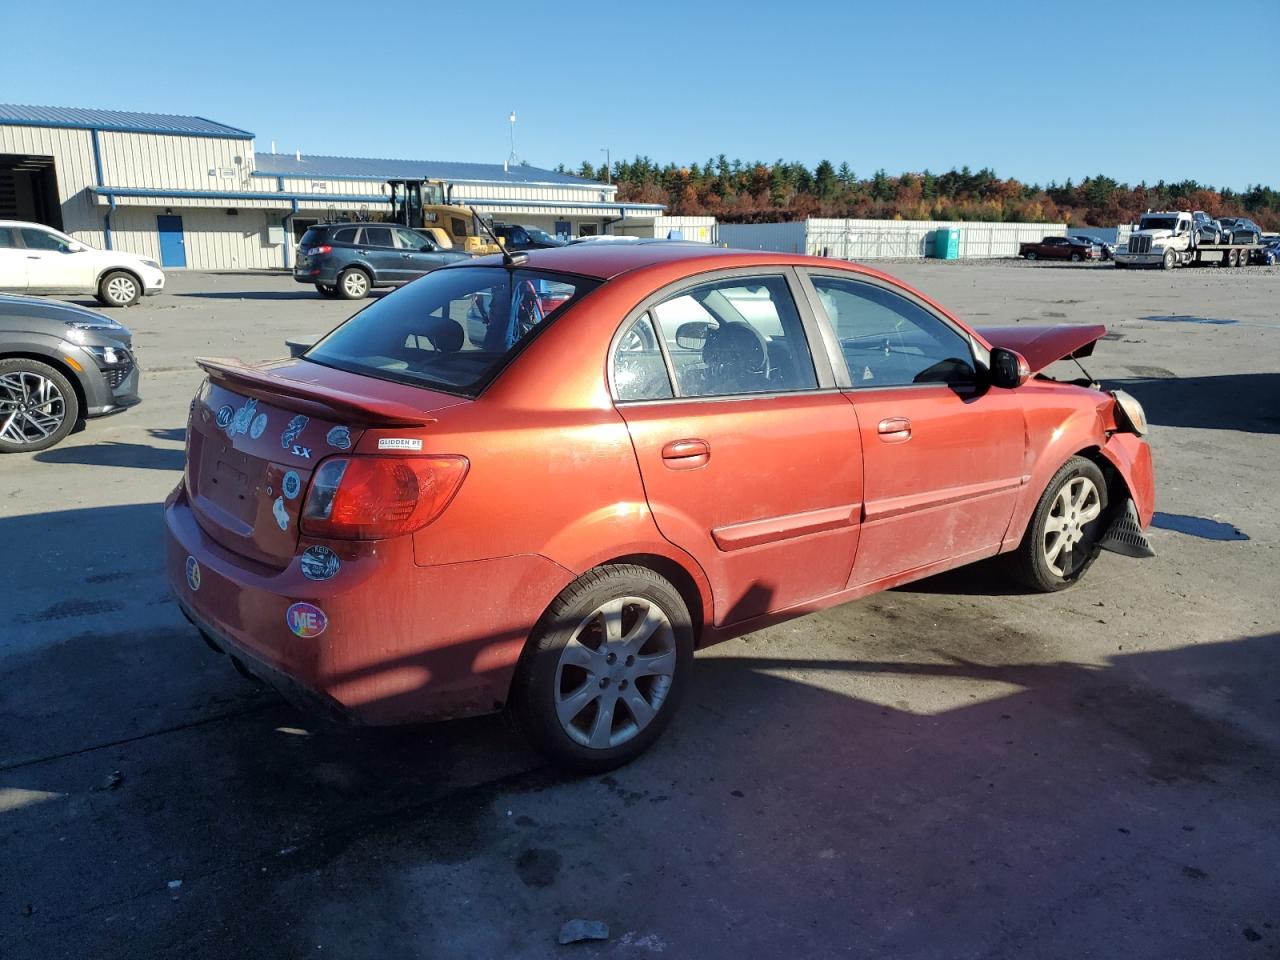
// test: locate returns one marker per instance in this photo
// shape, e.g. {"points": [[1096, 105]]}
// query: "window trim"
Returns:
{"points": [[824, 375], [979, 354]]}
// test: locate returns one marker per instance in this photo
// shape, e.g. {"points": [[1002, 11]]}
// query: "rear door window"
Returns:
{"points": [[735, 336], [455, 329]]}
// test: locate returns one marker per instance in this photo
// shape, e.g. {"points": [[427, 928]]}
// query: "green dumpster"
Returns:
{"points": [[946, 243]]}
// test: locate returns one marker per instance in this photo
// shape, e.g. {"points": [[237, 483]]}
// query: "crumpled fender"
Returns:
{"points": [[1131, 456]]}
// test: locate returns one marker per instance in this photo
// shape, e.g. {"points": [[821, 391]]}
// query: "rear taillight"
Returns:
{"points": [[316, 251], [374, 498]]}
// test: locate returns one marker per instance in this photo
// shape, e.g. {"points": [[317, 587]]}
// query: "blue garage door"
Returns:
{"points": [[173, 250]]}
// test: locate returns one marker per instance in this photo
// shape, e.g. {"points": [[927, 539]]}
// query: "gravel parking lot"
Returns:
{"points": [[951, 769]]}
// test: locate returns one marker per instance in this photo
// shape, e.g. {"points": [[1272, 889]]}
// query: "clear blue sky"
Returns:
{"points": [[1039, 91]]}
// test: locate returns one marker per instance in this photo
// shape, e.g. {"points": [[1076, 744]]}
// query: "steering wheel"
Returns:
{"points": [[529, 312]]}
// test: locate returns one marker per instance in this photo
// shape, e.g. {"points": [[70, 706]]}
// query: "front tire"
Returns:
{"points": [[1075, 258], [353, 284], [1062, 539], [38, 406], [119, 289], [605, 669], [1170, 258]]}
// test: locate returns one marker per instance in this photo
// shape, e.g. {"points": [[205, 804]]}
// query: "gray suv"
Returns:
{"points": [[59, 364], [348, 260]]}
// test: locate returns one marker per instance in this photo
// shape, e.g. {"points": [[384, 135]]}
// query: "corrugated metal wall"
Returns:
{"points": [[700, 229], [779, 237], [214, 240], [72, 151], [882, 239]]}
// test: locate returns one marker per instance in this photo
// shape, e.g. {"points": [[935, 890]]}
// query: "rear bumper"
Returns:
{"points": [[401, 643]]}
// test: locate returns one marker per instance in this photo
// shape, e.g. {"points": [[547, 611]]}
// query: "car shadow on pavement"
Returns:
{"points": [[111, 453], [254, 295], [1249, 402], [903, 778]]}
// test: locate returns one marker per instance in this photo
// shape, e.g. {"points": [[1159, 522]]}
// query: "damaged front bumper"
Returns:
{"points": [[1125, 535]]}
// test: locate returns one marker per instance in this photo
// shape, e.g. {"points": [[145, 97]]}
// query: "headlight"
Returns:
{"points": [[1130, 417], [108, 356], [152, 263]]}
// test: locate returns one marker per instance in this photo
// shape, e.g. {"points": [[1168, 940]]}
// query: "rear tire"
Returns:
{"points": [[1031, 255], [604, 671], [119, 289], [26, 424], [1075, 258], [353, 284], [1061, 542]]}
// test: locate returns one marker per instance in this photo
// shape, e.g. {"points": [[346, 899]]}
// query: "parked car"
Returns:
{"points": [[399, 525], [1207, 229], [59, 364], [1057, 248], [1240, 230], [1101, 249], [520, 237], [348, 260], [1271, 252], [35, 259]]}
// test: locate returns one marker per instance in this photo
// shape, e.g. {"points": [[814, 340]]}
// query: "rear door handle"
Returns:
{"points": [[686, 454], [895, 430]]}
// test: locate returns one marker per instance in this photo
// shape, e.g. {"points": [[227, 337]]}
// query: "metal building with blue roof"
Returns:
{"points": [[193, 192]]}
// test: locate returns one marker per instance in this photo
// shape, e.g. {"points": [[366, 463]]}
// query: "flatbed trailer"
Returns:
{"points": [[1221, 254]]}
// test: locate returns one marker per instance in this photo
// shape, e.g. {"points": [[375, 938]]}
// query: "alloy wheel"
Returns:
{"points": [[1077, 505], [32, 407], [615, 672], [355, 284], [121, 289]]}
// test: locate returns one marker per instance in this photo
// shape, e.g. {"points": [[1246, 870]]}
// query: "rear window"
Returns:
{"points": [[452, 330], [313, 237]]}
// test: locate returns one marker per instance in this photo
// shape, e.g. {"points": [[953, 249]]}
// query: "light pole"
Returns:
{"points": [[608, 164], [512, 159]]}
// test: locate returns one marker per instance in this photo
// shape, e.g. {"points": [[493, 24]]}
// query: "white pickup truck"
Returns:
{"points": [[1171, 239]]}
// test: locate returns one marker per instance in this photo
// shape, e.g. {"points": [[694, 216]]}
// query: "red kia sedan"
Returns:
{"points": [[540, 482]]}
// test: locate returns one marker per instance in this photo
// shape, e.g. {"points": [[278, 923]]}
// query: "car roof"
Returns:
{"points": [[604, 261]]}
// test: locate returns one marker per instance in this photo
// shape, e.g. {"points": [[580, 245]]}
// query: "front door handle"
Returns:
{"points": [[895, 430], [686, 454]]}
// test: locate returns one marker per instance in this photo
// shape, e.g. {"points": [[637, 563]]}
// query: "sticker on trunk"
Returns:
{"points": [[243, 419], [225, 413], [306, 620], [281, 513], [293, 430], [291, 484], [339, 438], [259, 426], [399, 443], [320, 563], [193, 574]]}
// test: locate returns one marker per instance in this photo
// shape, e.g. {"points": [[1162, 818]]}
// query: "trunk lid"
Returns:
{"points": [[258, 432], [1043, 345]]}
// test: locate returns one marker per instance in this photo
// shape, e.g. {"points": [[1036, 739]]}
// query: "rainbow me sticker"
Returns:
{"points": [[306, 620]]}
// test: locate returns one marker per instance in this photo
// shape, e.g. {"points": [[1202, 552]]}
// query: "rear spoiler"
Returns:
{"points": [[312, 399], [1042, 345]]}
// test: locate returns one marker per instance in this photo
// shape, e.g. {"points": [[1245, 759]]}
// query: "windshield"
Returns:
{"points": [[541, 236], [1159, 223], [453, 330]]}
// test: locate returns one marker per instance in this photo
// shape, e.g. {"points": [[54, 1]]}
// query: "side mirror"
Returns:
{"points": [[76, 248], [1009, 368], [692, 335]]}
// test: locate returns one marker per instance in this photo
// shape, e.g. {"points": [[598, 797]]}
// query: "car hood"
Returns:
{"points": [[1043, 345]]}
